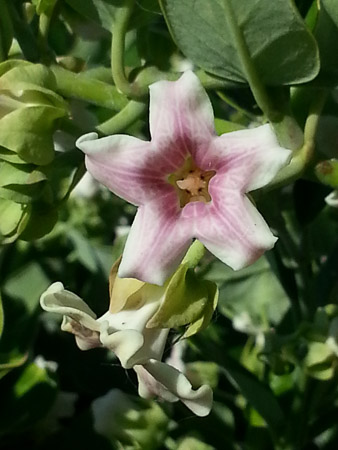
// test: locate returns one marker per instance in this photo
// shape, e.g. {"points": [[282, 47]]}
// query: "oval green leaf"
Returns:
{"points": [[282, 49]]}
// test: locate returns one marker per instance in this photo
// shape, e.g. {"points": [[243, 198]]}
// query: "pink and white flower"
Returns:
{"points": [[187, 182]]}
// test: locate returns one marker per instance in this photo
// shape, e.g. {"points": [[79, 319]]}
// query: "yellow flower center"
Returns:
{"points": [[192, 183]]}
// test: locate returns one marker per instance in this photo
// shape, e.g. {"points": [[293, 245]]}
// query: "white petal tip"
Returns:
{"points": [[332, 199], [201, 405], [81, 143]]}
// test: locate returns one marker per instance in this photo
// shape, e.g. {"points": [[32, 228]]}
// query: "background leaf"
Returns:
{"points": [[1, 316], [282, 49], [326, 33]]}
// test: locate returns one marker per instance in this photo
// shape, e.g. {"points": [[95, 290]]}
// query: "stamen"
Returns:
{"points": [[195, 186]]}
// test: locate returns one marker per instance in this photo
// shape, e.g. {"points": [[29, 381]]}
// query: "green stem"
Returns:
{"points": [[119, 29], [80, 86], [23, 34], [303, 156], [194, 254], [257, 87], [44, 22], [235, 106], [123, 119]]}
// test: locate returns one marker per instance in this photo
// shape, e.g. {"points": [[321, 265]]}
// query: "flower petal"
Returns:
{"points": [[85, 337], [170, 384], [128, 166], [181, 109], [232, 229], [248, 159], [156, 243], [332, 199], [58, 300], [78, 318], [125, 344]]}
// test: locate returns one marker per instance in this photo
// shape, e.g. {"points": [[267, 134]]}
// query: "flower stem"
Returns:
{"points": [[44, 22], [119, 29], [303, 156], [194, 254], [123, 119], [80, 86], [257, 87]]}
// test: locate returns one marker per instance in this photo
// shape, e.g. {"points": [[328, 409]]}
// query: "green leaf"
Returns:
{"points": [[10, 216], [6, 30], [191, 443], [21, 193], [44, 6], [60, 172], [225, 126], [326, 33], [257, 394], [41, 221], [185, 300], [103, 11], [21, 183], [253, 297], [282, 49], [27, 400], [33, 84], [5, 66], [29, 132], [33, 74], [203, 321], [319, 361], [84, 251], [1, 316], [100, 11], [9, 361], [11, 174], [11, 157], [26, 285]]}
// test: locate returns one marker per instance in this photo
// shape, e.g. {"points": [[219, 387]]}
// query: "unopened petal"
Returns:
{"points": [[169, 383], [128, 166], [180, 109], [156, 243]]}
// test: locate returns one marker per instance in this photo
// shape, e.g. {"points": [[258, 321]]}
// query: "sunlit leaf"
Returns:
{"points": [[281, 47]]}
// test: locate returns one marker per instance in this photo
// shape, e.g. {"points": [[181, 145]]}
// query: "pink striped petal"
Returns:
{"points": [[245, 159], [129, 167], [231, 228], [180, 112], [156, 243]]}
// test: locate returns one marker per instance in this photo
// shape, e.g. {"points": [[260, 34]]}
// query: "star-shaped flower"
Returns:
{"points": [[187, 182]]}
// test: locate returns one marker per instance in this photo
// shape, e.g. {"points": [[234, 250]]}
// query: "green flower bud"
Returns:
{"points": [[29, 108], [327, 172]]}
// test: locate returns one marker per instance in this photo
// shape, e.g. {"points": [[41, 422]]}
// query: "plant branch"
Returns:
{"points": [[82, 87], [123, 119], [119, 29], [303, 156]]}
